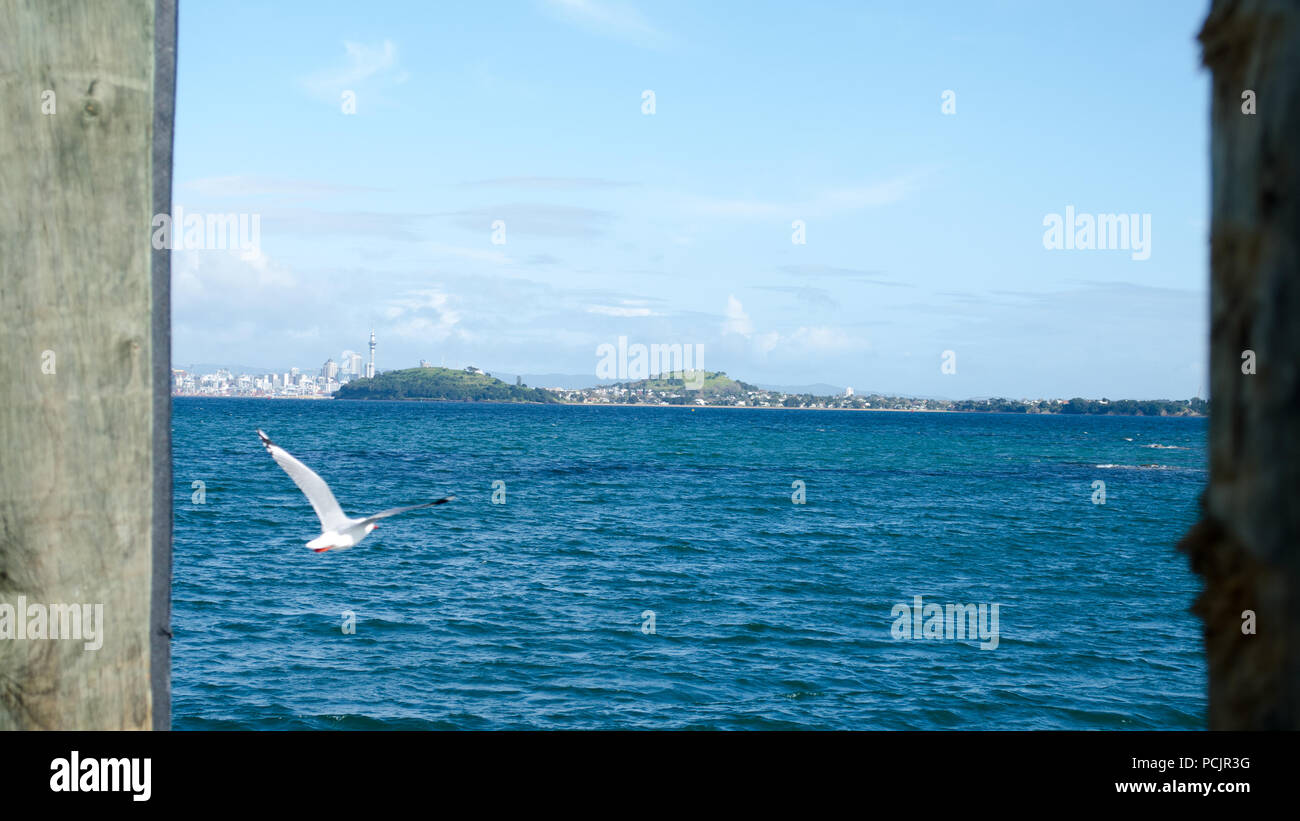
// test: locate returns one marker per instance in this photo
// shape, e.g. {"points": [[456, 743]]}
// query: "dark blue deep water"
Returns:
{"points": [[767, 614]]}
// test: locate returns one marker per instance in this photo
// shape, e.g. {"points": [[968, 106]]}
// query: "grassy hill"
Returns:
{"points": [[715, 384], [440, 383]]}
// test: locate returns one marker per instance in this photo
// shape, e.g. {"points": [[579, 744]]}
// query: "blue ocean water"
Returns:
{"points": [[767, 614]]}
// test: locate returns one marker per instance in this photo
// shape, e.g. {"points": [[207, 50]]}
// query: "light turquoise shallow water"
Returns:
{"points": [[767, 614]]}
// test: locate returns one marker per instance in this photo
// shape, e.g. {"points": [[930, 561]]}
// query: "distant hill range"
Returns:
{"points": [[819, 389], [441, 383], [574, 381], [705, 385], [565, 381], [717, 389]]}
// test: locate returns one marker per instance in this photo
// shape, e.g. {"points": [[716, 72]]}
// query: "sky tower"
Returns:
{"points": [[370, 368]]}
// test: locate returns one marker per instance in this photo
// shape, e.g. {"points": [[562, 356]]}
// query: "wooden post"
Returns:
{"points": [[1247, 544], [86, 92]]}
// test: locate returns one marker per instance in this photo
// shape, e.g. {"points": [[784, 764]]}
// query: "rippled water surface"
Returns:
{"points": [[767, 614]]}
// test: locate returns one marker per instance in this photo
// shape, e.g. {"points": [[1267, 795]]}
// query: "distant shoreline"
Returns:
{"points": [[769, 407], [864, 410], [699, 407], [705, 389], [220, 396]]}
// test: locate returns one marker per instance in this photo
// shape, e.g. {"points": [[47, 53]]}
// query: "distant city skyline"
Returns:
{"points": [[334, 375], [837, 194]]}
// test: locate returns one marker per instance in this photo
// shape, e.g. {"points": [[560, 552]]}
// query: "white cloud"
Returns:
{"points": [[868, 196], [363, 65], [608, 18], [824, 204], [244, 186], [546, 183], [613, 310], [422, 328], [737, 321], [231, 307], [826, 339], [816, 339], [476, 254], [536, 219], [200, 276], [422, 315], [765, 342], [740, 208]]}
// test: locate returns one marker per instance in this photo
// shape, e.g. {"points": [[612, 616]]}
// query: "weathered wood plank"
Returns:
{"points": [[80, 518], [1247, 545]]}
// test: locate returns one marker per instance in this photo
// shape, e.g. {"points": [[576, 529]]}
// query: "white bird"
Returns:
{"points": [[338, 531]]}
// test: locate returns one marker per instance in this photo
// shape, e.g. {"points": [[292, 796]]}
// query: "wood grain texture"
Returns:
{"points": [[1247, 545], [77, 503]]}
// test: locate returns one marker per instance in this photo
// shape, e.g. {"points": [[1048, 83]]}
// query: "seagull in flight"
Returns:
{"points": [[338, 531]]}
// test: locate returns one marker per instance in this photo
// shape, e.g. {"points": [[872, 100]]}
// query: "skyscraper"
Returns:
{"points": [[370, 368]]}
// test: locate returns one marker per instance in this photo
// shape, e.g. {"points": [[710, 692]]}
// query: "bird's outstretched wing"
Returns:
{"points": [[384, 514], [313, 487]]}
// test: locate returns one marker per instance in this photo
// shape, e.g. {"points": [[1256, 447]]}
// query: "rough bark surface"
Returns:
{"points": [[1247, 544]]}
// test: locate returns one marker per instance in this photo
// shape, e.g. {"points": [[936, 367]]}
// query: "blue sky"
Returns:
{"points": [[924, 230]]}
